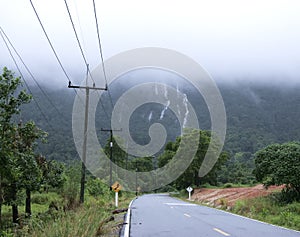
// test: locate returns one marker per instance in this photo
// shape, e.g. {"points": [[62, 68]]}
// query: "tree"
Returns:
{"points": [[30, 175], [279, 164], [53, 173], [141, 164], [119, 156], [10, 101], [190, 175]]}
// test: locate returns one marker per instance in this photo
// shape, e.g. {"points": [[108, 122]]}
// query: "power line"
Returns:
{"points": [[81, 50], [57, 58], [15, 62], [19, 56], [101, 103], [101, 52], [83, 56], [51, 45]]}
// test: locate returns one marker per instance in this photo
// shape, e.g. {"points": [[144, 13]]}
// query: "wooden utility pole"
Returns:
{"points": [[86, 114]]}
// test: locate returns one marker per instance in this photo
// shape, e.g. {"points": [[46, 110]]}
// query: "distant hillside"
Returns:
{"points": [[256, 116]]}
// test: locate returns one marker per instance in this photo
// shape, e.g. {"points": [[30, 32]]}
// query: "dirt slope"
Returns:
{"points": [[228, 196]]}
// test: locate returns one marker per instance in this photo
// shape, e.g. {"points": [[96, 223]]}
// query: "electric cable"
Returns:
{"points": [[26, 84], [101, 53], [27, 69]]}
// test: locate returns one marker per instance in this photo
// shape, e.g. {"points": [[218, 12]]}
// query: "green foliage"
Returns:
{"points": [[280, 165], [96, 187], [228, 185], [142, 164], [190, 175], [118, 155], [70, 191], [238, 169], [18, 166], [268, 210], [87, 220], [45, 198], [53, 173]]}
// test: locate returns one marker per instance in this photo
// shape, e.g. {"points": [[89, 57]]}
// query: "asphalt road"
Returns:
{"points": [[161, 215]]}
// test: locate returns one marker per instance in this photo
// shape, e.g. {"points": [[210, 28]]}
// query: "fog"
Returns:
{"points": [[233, 40]]}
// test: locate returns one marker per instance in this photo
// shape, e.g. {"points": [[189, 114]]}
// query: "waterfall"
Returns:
{"points": [[162, 114], [150, 116], [185, 102]]}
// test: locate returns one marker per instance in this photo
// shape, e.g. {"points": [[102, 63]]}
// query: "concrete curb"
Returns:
{"points": [[126, 232]]}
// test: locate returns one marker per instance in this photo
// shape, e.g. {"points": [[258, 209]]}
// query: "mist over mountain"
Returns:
{"points": [[257, 115]]}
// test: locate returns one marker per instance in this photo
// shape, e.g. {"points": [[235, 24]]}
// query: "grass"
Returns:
{"points": [[267, 210], [90, 219]]}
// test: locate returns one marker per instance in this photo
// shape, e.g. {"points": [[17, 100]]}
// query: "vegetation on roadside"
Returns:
{"points": [[38, 196], [91, 219], [279, 164], [58, 213], [270, 210]]}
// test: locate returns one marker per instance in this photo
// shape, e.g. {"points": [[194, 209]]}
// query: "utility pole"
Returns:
{"points": [[155, 174], [86, 114], [111, 156], [136, 178]]}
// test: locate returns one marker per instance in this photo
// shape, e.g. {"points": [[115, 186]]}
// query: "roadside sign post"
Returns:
{"points": [[116, 187], [189, 189], [116, 199]]}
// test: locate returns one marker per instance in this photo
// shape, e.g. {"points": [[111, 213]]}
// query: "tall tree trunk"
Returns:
{"points": [[28, 203], [14, 206]]}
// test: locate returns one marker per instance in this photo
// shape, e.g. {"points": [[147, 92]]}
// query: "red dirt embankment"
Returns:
{"points": [[228, 196]]}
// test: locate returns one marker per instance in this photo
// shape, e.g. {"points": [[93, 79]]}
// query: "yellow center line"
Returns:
{"points": [[221, 232], [187, 215]]}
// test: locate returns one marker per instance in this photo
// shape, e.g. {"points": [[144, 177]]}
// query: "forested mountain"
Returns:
{"points": [[257, 115]]}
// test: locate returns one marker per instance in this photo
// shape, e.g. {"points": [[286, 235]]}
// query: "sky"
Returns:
{"points": [[233, 40]]}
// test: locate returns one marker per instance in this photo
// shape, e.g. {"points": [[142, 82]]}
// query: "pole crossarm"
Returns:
{"points": [[87, 87]]}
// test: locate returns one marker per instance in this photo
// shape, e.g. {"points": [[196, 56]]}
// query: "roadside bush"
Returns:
{"points": [[70, 191], [228, 185], [270, 210], [39, 198], [95, 187]]}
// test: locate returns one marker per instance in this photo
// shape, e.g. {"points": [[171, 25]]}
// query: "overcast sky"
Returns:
{"points": [[255, 39]]}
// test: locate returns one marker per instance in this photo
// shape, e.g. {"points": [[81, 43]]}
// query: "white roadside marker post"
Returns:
{"points": [[116, 199], [189, 189]]}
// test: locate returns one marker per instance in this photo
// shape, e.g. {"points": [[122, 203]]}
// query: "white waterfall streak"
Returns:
{"points": [[178, 95], [150, 116], [162, 114], [185, 102]]}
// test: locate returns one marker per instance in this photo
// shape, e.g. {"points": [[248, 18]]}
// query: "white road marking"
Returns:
{"points": [[179, 204], [128, 217], [221, 232], [187, 215]]}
